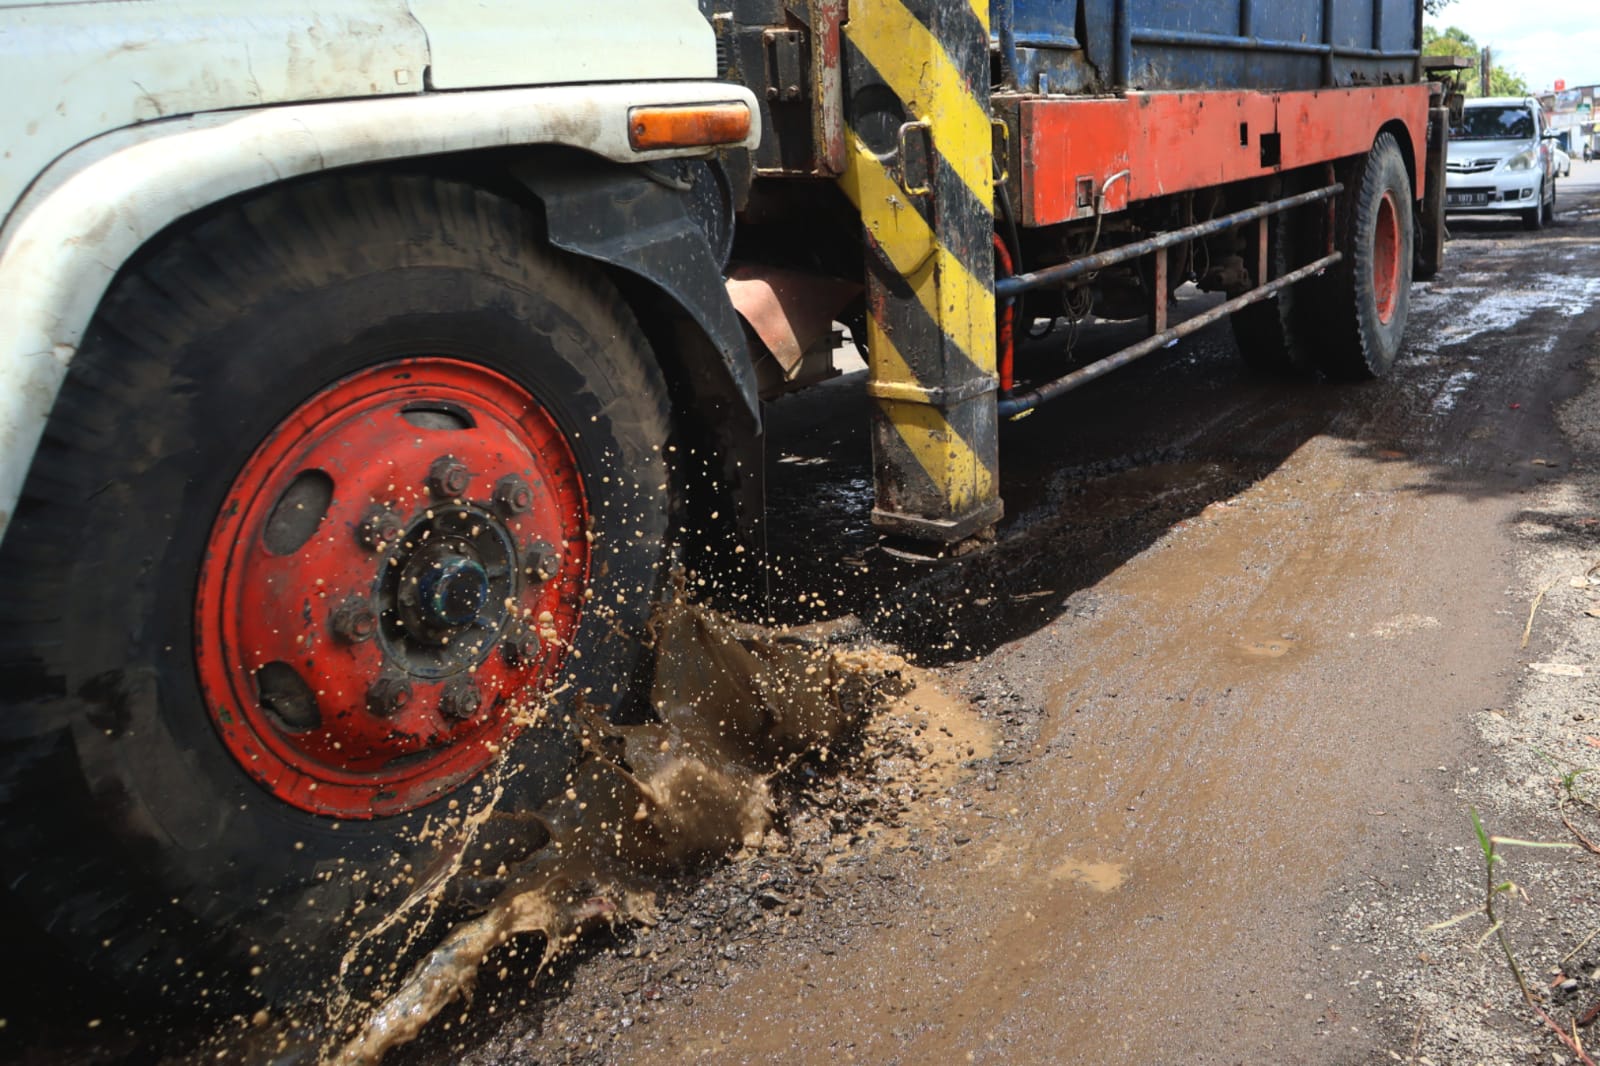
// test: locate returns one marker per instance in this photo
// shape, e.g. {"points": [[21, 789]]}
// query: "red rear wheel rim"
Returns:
{"points": [[391, 582], [1386, 259]]}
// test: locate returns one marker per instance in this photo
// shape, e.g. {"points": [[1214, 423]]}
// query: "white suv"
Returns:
{"points": [[1500, 160]]}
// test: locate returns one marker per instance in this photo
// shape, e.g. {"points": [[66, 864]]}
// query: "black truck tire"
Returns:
{"points": [[1276, 336], [406, 320], [1431, 238], [1367, 296]]}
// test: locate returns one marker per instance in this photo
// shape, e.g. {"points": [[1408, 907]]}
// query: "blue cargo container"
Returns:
{"points": [[1088, 46]]}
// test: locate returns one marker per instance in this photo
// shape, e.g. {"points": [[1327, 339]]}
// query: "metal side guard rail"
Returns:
{"points": [[1008, 288]]}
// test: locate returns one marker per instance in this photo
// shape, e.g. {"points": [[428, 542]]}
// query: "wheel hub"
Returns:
{"points": [[1386, 266], [453, 591], [385, 541], [446, 590]]}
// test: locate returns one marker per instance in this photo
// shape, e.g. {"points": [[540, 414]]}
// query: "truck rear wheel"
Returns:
{"points": [[344, 482], [1276, 336], [1368, 295]]}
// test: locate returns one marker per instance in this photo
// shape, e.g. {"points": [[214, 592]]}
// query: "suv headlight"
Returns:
{"points": [[1522, 160]]}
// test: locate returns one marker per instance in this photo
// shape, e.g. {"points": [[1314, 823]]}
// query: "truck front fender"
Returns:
{"points": [[644, 223], [665, 246]]}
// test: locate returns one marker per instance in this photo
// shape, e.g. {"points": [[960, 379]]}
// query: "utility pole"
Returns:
{"points": [[1485, 64]]}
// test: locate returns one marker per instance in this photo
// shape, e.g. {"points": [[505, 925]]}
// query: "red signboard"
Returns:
{"points": [[1561, 84]]}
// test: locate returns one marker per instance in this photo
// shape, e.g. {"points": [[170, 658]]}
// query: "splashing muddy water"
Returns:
{"points": [[736, 705]]}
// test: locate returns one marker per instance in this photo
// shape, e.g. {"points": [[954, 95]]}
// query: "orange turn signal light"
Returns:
{"points": [[687, 125]]}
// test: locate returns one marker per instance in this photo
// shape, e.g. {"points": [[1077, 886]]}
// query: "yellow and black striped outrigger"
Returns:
{"points": [[920, 172]]}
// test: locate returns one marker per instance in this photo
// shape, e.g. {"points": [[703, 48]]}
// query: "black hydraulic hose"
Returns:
{"points": [[1008, 219]]}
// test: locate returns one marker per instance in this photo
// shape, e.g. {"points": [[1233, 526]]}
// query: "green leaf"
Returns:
{"points": [[1448, 922], [1533, 843], [1483, 837]]}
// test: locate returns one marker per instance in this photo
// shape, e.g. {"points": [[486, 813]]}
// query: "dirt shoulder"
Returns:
{"points": [[1452, 985]]}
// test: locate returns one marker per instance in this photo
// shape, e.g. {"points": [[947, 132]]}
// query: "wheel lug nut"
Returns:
{"points": [[512, 494], [353, 621], [521, 651], [388, 696], [460, 700], [448, 477], [541, 561], [379, 526]]}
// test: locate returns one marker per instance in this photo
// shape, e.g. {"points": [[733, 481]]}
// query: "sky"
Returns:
{"points": [[1541, 41]]}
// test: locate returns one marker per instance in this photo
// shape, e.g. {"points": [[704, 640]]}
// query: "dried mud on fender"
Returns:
{"points": [[735, 706]]}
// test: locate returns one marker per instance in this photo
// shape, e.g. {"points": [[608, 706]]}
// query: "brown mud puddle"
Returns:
{"points": [[1100, 876], [738, 707], [920, 745]]}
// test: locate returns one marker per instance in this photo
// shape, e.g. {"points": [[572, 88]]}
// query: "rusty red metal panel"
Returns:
{"points": [[789, 311], [1339, 122], [1067, 145], [1179, 142], [827, 113]]}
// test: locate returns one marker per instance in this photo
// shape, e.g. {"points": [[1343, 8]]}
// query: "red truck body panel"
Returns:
{"points": [[1072, 148]]}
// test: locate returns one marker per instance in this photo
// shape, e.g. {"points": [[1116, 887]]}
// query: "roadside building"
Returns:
{"points": [[1570, 112]]}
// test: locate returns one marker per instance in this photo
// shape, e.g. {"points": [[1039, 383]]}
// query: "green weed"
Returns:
{"points": [[1494, 888]]}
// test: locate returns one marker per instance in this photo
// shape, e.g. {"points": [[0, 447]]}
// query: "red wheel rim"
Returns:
{"points": [[393, 578], [1386, 258]]}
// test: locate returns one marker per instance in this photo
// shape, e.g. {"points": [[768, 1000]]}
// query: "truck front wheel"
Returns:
{"points": [[346, 483]]}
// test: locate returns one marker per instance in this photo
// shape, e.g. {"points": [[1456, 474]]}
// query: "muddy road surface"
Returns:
{"points": [[1228, 669], [1186, 771]]}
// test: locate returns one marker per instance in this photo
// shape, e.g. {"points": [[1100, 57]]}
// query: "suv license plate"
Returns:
{"points": [[1465, 199]]}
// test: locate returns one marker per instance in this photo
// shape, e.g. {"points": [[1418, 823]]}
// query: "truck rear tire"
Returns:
{"points": [[1276, 336], [1368, 294], [1430, 252], [343, 481]]}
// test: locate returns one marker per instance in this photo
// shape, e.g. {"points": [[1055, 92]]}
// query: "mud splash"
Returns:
{"points": [[736, 705]]}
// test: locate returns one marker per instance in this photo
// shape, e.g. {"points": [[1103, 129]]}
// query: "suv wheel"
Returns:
{"points": [[1534, 217]]}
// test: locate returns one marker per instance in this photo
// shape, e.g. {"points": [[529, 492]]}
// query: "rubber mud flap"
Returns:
{"points": [[601, 212]]}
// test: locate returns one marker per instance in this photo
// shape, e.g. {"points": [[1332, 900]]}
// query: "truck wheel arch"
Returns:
{"points": [[674, 284], [1405, 137]]}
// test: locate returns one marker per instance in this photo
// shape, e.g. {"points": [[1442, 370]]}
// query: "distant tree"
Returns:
{"points": [[1451, 41], [1454, 41], [1503, 81], [1433, 7]]}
